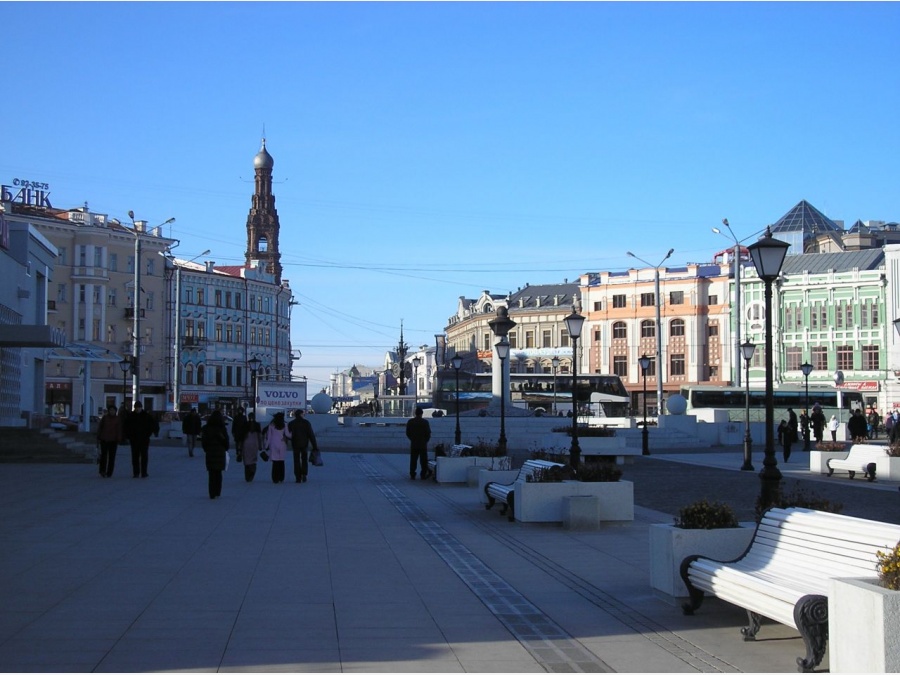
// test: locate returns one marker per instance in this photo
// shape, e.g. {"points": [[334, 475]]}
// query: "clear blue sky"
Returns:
{"points": [[425, 151]]}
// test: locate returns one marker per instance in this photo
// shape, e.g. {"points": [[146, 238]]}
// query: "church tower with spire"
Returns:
{"points": [[262, 221]]}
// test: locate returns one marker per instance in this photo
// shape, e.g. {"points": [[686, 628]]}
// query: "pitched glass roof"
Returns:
{"points": [[805, 218]]}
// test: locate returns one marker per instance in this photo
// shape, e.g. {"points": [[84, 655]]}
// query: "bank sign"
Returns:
{"points": [[27, 193], [284, 395]]}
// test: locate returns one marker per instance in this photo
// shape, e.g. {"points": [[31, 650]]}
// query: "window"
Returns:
{"points": [[201, 330], [676, 328], [620, 366], [189, 328], [839, 315], [676, 298], [814, 317], [511, 336], [113, 262], [237, 300], [81, 293], [262, 245], [545, 339], [217, 373], [676, 364], [793, 358], [96, 292], [95, 330], [823, 315], [789, 318], [111, 297], [713, 300], [218, 298], [620, 330], [188, 374], [201, 374], [111, 333], [712, 330], [529, 339], [598, 306], [252, 336], [82, 255], [62, 255], [200, 297], [819, 358], [870, 357], [563, 337], [848, 315], [61, 293], [268, 341], [98, 256], [618, 301], [487, 342], [844, 357], [239, 334], [648, 329], [151, 265], [648, 300], [229, 333], [149, 301], [229, 376], [875, 317], [218, 330]]}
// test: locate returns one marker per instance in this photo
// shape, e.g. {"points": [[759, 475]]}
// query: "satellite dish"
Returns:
{"points": [[838, 378]]}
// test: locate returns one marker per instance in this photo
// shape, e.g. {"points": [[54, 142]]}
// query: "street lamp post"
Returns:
{"points": [[457, 364], [748, 349], [737, 301], [768, 257], [503, 353], [254, 364], [500, 326], [806, 369], [574, 323], [136, 319], [644, 362], [125, 365], [416, 363], [659, 351], [555, 363]]}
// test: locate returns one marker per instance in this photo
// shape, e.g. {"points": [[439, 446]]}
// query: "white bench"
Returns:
{"points": [[784, 574], [505, 492], [862, 457]]}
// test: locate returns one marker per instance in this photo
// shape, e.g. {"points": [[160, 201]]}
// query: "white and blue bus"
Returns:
{"points": [[704, 398]]}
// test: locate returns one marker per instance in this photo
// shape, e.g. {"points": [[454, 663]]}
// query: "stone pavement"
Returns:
{"points": [[358, 570]]}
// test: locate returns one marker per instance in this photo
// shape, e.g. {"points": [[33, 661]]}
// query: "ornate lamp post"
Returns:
{"points": [[748, 349], [125, 365], [768, 257], [503, 352], [555, 363], [806, 369], [416, 363], [500, 327], [644, 362], [253, 364], [457, 364], [574, 323]]}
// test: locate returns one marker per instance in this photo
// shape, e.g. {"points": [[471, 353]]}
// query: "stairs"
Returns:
{"points": [[19, 445]]}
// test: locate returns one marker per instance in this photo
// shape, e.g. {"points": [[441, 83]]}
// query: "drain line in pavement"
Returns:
{"points": [[545, 640]]}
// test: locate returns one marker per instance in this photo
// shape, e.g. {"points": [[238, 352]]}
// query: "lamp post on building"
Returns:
{"points": [[253, 364], [768, 256], [644, 362], [737, 300], [748, 349], [457, 364], [574, 323], [806, 369], [554, 362], [659, 351]]}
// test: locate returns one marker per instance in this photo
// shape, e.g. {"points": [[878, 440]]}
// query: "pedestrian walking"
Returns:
{"points": [[276, 446], [817, 419], [418, 431], [790, 434], [190, 427], [109, 435], [833, 426], [301, 435], [805, 429], [214, 439], [139, 427], [239, 433], [253, 443], [857, 427]]}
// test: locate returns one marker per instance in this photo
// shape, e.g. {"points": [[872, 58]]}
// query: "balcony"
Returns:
{"points": [[129, 313], [193, 341]]}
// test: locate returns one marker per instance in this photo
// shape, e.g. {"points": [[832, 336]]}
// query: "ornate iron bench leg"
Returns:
{"points": [[696, 594], [749, 631], [511, 501], [811, 617]]}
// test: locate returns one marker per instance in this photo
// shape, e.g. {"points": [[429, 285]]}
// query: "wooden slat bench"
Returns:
{"points": [[505, 492], [784, 574], [861, 458]]}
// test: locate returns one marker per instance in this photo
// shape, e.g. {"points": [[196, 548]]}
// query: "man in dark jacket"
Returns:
{"points": [[139, 426], [239, 430], [418, 431], [301, 435], [190, 427]]}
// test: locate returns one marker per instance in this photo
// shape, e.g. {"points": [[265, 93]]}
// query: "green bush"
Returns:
{"points": [[586, 432], [799, 497], [598, 472], [482, 449], [704, 515]]}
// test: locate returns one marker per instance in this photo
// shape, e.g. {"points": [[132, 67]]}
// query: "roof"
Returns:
{"points": [[542, 296], [815, 263], [230, 270], [806, 218]]}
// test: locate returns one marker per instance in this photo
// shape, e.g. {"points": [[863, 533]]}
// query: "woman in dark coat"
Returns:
{"points": [[252, 445], [214, 439]]}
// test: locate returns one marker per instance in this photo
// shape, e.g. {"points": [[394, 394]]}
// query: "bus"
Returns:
{"points": [[703, 398], [599, 395]]}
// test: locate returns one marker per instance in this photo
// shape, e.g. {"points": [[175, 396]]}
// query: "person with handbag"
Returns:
{"points": [[276, 446], [253, 443], [214, 440], [109, 435], [301, 435]]}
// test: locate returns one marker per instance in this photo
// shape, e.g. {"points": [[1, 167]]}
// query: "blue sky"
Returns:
{"points": [[425, 151]]}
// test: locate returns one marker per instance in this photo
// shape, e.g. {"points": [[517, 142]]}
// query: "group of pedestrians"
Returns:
{"points": [[118, 427], [809, 425]]}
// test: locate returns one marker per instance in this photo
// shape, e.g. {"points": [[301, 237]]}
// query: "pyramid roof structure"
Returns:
{"points": [[805, 218]]}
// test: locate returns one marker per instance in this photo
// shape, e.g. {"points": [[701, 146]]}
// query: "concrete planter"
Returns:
{"points": [[543, 502], [456, 469], [888, 468], [615, 446], [862, 627], [818, 459], [669, 545]]}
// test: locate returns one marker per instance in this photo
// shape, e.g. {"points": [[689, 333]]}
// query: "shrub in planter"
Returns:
{"points": [[799, 497], [704, 515], [440, 450], [549, 455], [893, 450], [598, 472], [587, 432], [888, 567], [831, 446], [553, 474], [482, 449]]}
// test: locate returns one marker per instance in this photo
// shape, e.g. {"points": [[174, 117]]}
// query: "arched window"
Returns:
{"points": [[188, 374], [201, 374], [620, 330], [262, 245], [648, 328], [676, 328]]}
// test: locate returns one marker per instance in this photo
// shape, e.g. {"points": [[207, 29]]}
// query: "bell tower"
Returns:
{"points": [[262, 221]]}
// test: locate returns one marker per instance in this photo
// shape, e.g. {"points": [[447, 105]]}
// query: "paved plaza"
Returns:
{"points": [[358, 570]]}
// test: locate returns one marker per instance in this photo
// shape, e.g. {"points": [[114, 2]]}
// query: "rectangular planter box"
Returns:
{"points": [[888, 468], [543, 502], [456, 469], [818, 459], [669, 545], [862, 627], [616, 446]]}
